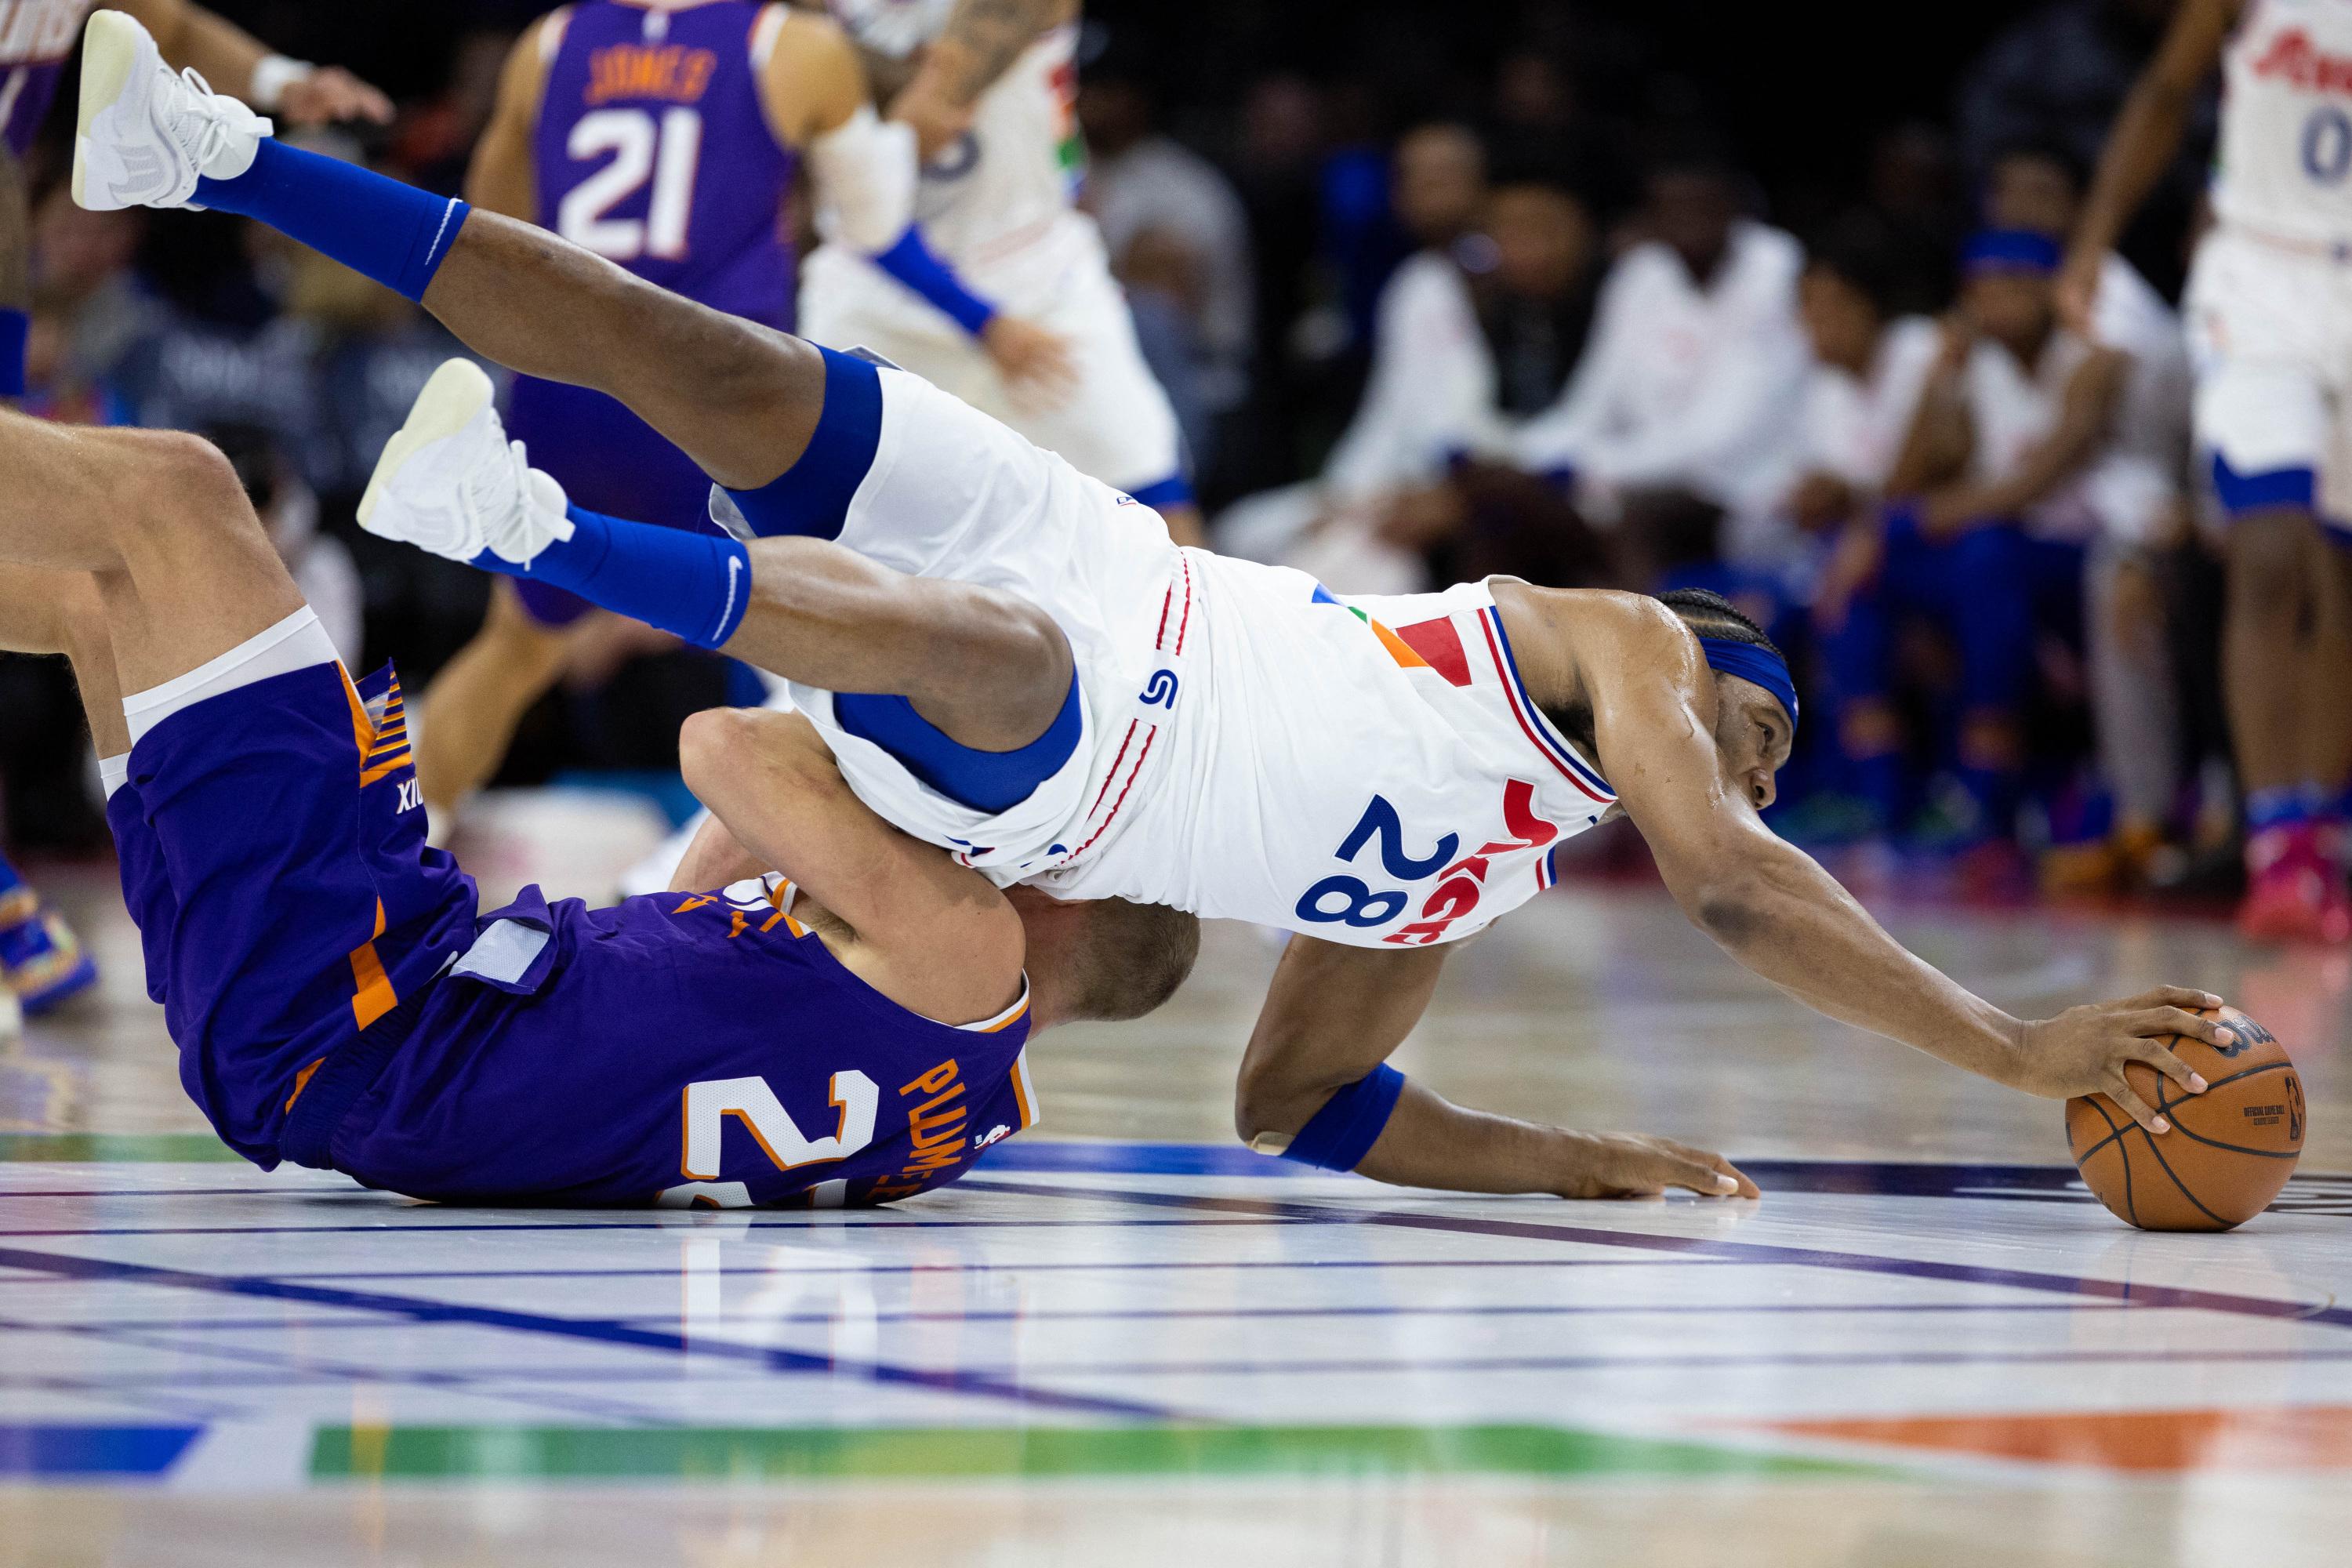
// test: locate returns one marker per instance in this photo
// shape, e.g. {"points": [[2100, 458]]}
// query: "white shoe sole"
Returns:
{"points": [[111, 48], [458, 393]]}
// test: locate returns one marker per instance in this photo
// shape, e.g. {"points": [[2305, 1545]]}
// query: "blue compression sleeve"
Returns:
{"points": [[1344, 1131], [694, 585], [16, 327], [395, 234], [911, 262]]}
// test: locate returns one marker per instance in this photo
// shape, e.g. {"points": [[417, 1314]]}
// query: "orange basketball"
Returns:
{"points": [[2230, 1148]]}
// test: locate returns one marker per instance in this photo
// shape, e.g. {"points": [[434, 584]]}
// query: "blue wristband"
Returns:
{"points": [[910, 261], [15, 328], [1344, 1131]]}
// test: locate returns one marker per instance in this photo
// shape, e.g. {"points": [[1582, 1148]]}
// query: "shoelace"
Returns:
{"points": [[213, 129]]}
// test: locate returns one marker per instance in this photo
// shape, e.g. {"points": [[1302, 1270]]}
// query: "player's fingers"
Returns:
{"points": [[2128, 1102], [2158, 1022], [1675, 1165], [2170, 1066], [2174, 996]]}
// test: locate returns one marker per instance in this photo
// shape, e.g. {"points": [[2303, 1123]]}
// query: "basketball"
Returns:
{"points": [[2230, 1148]]}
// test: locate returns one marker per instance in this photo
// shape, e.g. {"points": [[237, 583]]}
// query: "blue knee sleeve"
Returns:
{"points": [[1349, 1123], [813, 495], [983, 781], [693, 585], [395, 234]]}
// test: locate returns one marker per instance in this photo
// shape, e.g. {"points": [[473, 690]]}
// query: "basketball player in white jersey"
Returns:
{"points": [[2269, 323], [1098, 709], [40, 962], [616, 119], [992, 93]]}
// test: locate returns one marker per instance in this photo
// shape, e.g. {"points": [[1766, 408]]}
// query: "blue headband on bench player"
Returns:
{"points": [[1349, 1123], [1750, 662]]}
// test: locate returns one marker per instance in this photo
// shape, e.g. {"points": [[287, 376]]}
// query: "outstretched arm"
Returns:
{"points": [[1781, 915], [239, 64], [981, 40], [1334, 1013], [2146, 137]]}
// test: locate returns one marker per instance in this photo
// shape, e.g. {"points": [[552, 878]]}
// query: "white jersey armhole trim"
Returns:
{"points": [[766, 31], [551, 34]]}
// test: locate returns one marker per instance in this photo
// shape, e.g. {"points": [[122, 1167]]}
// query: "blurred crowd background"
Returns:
{"points": [[1598, 294]]}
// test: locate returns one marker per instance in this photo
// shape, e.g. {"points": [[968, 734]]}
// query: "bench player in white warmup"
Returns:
{"points": [[2270, 332], [1103, 714]]}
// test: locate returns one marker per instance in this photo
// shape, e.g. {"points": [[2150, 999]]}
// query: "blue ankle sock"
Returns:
{"points": [[395, 234], [2282, 806], [694, 585]]}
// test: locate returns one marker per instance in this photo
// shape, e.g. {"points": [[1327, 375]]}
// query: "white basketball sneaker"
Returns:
{"points": [[450, 482], [146, 134]]}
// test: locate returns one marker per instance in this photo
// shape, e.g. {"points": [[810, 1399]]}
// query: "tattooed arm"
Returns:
{"points": [[982, 39]]}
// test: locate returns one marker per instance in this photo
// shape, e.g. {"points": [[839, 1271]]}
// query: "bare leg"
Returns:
{"points": [[467, 717], [62, 613], [988, 670], [180, 562], [740, 400], [2326, 687], [2264, 645]]}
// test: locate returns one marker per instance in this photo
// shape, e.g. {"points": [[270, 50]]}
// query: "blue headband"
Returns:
{"points": [[1750, 662], [2010, 250]]}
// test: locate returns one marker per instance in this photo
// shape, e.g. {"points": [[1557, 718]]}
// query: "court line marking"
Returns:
{"points": [[600, 1331], [1149, 1314], [1727, 1251], [792, 1220]]}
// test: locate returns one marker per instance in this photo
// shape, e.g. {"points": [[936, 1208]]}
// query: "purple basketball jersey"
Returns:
{"points": [[686, 1049], [36, 37], [654, 150]]}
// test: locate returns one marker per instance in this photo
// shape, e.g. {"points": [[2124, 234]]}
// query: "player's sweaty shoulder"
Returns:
{"points": [[1573, 643]]}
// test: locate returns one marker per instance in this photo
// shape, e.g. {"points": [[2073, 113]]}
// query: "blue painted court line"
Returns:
{"points": [[961, 1266], [52, 1452], [597, 1331], [1738, 1252], [882, 1220]]}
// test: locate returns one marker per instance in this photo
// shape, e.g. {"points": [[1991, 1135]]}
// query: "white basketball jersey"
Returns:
{"points": [[2284, 166], [1371, 773], [1012, 181]]}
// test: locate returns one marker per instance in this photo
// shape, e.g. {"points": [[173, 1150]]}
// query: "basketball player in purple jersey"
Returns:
{"points": [[665, 135], [40, 962], [848, 1030], [1014, 662]]}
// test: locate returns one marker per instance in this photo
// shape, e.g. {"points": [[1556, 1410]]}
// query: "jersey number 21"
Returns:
{"points": [[666, 151]]}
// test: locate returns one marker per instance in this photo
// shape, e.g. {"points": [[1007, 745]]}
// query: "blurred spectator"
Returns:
{"points": [[2058, 77], [1869, 366], [2144, 518], [1179, 242], [1477, 331], [2008, 467], [88, 307], [1685, 409]]}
